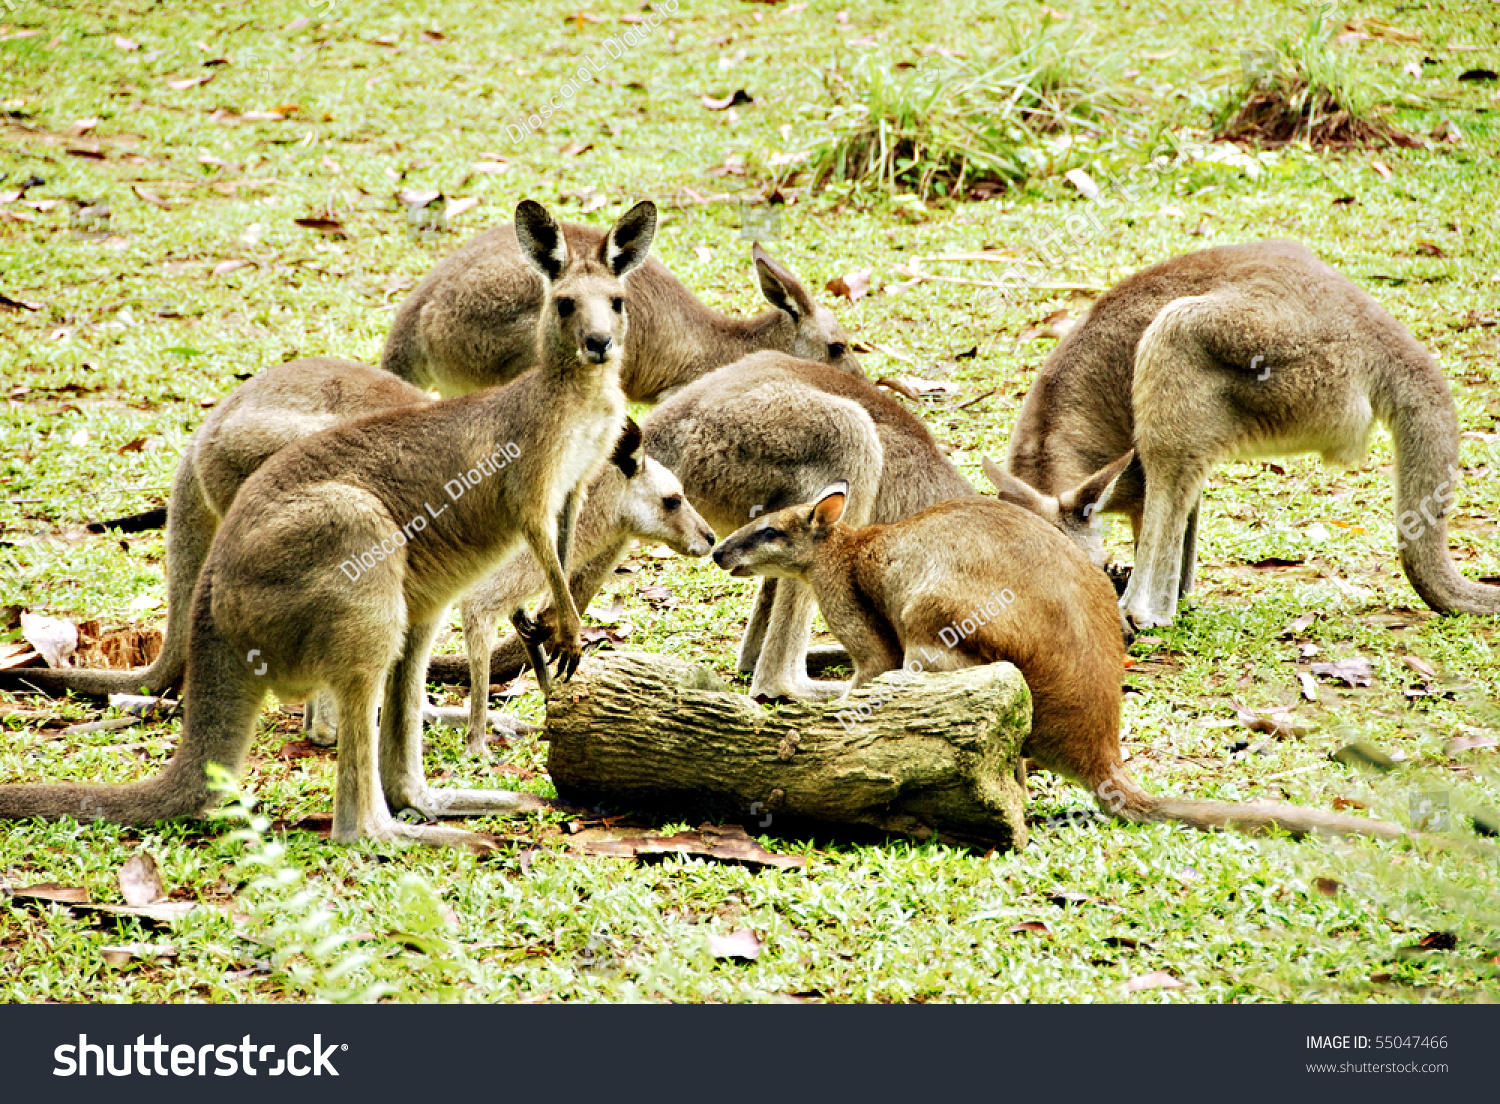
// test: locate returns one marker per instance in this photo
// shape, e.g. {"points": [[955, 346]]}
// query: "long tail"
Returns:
{"points": [[222, 700], [403, 354], [1425, 430], [191, 525], [1122, 797]]}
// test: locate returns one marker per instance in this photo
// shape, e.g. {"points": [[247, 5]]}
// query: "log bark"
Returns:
{"points": [[923, 755], [509, 657]]}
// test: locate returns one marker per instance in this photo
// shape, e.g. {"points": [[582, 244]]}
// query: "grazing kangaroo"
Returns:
{"points": [[632, 497], [976, 581], [334, 566], [772, 430], [470, 322], [1244, 350], [260, 417]]}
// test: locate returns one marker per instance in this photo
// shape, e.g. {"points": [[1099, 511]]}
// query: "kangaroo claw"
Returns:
{"points": [[532, 637]]}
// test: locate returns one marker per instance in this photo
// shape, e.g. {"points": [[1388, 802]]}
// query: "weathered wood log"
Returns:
{"points": [[509, 657], [917, 754]]}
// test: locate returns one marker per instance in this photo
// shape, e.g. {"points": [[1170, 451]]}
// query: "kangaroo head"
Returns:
{"points": [[652, 505], [584, 314], [1078, 512], [816, 334], [784, 544]]}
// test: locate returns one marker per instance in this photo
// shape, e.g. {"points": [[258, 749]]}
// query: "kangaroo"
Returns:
{"points": [[333, 567], [1246, 350], [632, 497], [975, 581], [771, 430], [283, 404], [469, 323]]}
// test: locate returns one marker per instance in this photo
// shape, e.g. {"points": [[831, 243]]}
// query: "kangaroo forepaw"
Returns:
{"points": [[569, 654]]}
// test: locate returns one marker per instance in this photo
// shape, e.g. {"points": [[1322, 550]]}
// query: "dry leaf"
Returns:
{"points": [[140, 881], [1380, 167], [1055, 324], [1469, 743], [1328, 887], [224, 268], [189, 82], [1309, 687], [457, 207], [56, 638], [1275, 722], [51, 891], [126, 43], [1353, 672], [1156, 979], [575, 149], [491, 167], [729, 844], [741, 944], [1420, 666], [16, 655], [724, 103], [1083, 182], [853, 286], [1031, 926], [127, 953], [137, 444], [324, 225]]}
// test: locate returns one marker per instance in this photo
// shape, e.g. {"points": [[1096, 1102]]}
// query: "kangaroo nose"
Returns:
{"points": [[719, 554], [598, 346]]}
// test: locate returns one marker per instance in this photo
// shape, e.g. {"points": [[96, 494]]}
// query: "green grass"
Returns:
{"points": [[133, 334]]}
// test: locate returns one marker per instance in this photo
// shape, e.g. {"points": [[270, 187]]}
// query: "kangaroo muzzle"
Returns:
{"points": [[597, 347]]}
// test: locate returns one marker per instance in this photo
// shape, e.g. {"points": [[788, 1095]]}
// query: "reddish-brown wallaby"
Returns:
{"points": [[1239, 351], [470, 322], [338, 558], [976, 581], [772, 430]]}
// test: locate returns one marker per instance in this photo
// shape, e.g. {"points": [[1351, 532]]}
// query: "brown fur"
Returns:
{"points": [[974, 581], [1247, 350], [772, 430], [469, 323], [275, 608]]}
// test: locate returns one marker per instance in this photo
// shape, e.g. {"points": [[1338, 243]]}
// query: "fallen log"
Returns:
{"points": [[922, 755]]}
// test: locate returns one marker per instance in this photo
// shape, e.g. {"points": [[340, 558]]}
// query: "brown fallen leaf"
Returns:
{"points": [[853, 286], [1156, 979], [1420, 666], [1298, 624], [1055, 324], [1031, 926], [1353, 672], [1309, 687], [7, 303], [1271, 563], [729, 844], [135, 444], [140, 881], [575, 149], [300, 749], [18, 655], [324, 225], [1380, 167], [1469, 743], [656, 593], [127, 953], [1328, 887], [915, 387], [1275, 722], [224, 268], [189, 82], [742, 944], [123, 43], [724, 103], [457, 206]]}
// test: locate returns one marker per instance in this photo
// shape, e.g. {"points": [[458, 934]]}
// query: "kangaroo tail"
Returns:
{"points": [[155, 518], [191, 525], [222, 700], [1127, 801], [1425, 430]]}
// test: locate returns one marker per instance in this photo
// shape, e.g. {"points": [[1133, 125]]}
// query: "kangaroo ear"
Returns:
{"points": [[541, 238], [1093, 497], [1012, 490], [781, 289], [628, 242], [629, 450], [830, 504]]}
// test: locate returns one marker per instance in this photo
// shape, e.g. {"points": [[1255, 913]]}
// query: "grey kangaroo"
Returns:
{"points": [[772, 430], [469, 323], [975, 581], [1245, 350], [339, 557], [280, 405], [631, 498]]}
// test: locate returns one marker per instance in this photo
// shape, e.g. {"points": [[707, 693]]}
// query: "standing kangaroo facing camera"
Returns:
{"points": [[976, 581], [469, 323], [772, 430], [1240, 351], [424, 500]]}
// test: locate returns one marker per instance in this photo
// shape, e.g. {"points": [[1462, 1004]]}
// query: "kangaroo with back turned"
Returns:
{"points": [[772, 430], [1239, 351], [975, 581], [470, 322], [450, 488]]}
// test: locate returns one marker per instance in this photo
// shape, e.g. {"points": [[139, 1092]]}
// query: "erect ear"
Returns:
{"points": [[781, 289], [830, 504], [1012, 490], [541, 238], [629, 450], [1093, 496], [628, 243]]}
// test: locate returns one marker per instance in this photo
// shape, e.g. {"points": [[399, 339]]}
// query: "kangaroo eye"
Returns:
{"points": [[618, 304], [672, 503], [565, 308], [836, 350]]}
